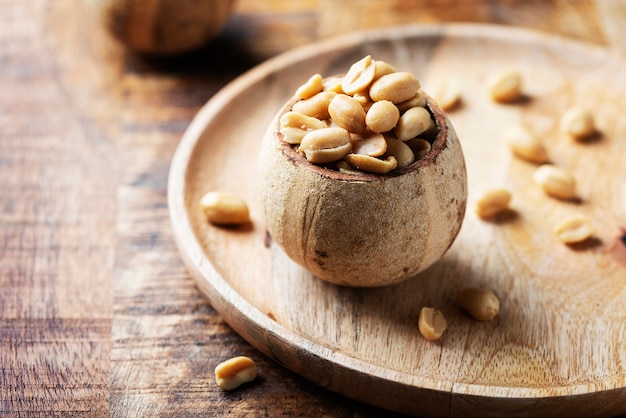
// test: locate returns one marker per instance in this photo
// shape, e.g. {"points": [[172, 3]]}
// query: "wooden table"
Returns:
{"points": [[98, 315]]}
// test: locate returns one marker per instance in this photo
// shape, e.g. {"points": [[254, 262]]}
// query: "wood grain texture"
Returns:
{"points": [[556, 347], [98, 316]]}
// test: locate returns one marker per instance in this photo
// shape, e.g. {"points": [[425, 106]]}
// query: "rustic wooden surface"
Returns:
{"points": [[98, 315]]}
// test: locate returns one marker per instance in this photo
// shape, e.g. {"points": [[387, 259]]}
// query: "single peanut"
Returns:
{"points": [[346, 168], [526, 145], [575, 228], [555, 181], [314, 85], [371, 164], [364, 99], [420, 147], [316, 106], [505, 86], [368, 143], [347, 112], [359, 76], [431, 323], [396, 87], [223, 208], [383, 68], [412, 123], [446, 93], [333, 84], [382, 116], [294, 126], [418, 100], [326, 145], [481, 304], [578, 123], [493, 202], [235, 372], [400, 151]]}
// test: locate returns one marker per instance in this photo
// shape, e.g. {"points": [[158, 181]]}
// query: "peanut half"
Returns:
{"points": [[359, 76], [555, 181], [223, 208], [578, 123], [505, 86], [326, 145], [524, 144], [493, 202], [480, 304], [235, 372], [431, 323], [575, 228]]}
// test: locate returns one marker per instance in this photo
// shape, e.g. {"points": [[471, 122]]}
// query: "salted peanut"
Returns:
{"points": [[400, 151], [396, 87], [578, 123], [412, 123], [431, 323], [419, 100], [333, 84], [368, 143], [223, 208], [555, 181], [382, 116], [294, 126], [326, 145], [446, 93], [575, 228], [481, 304], [505, 86], [346, 168], [371, 164], [383, 68], [347, 112], [359, 76], [365, 100], [524, 144], [316, 106], [233, 373], [493, 202], [419, 146], [314, 85]]}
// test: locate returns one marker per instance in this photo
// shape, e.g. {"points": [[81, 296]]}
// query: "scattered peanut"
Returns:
{"points": [[446, 93], [412, 123], [396, 87], [505, 86], [382, 116], [493, 202], [309, 89], [526, 145], [235, 372], [359, 76], [578, 123], [431, 323], [372, 164], [575, 228], [347, 112], [223, 208], [480, 304], [555, 181], [326, 145]]}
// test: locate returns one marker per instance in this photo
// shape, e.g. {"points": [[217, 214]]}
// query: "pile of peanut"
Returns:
{"points": [[374, 119]]}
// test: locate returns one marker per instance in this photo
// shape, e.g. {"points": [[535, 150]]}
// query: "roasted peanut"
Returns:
{"points": [[412, 123], [446, 93], [419, 100], [347, 112], [359, 76], [431, 323], [396, 87], [309, 89], [333, 84], [400, 151], [346, 168], [383, 68], [481, 304], [382, 116], [368, 143], [555, 181], [316, 106], [326, 145], [364, 99], [235, 372], [578, 123], [295, 125], [223, 208], [493, 202], [420, 147], [505, 86], [371, 164], [526, 145], [575, 228]]}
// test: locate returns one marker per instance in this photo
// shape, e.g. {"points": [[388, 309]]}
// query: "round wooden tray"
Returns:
{"points": [[557, 347]]}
